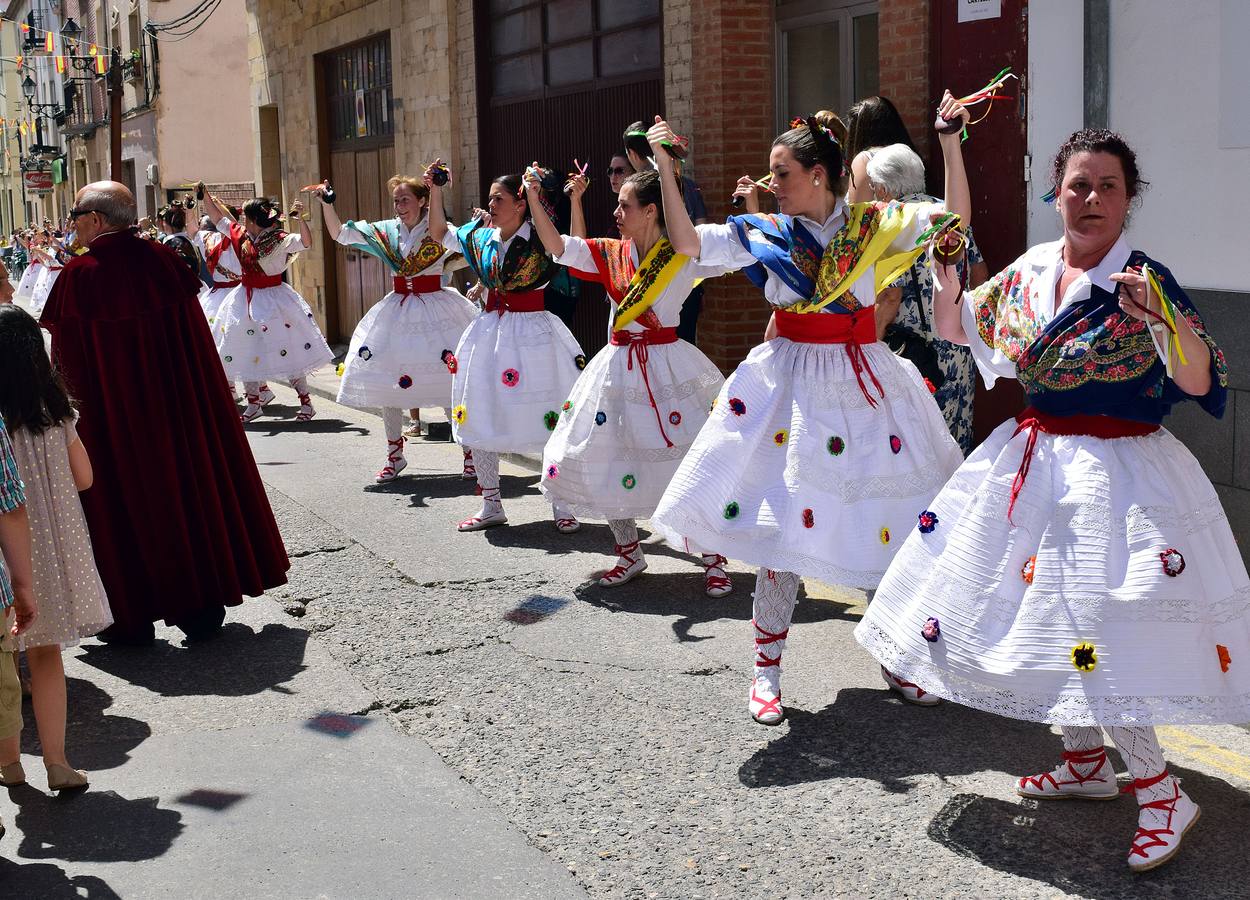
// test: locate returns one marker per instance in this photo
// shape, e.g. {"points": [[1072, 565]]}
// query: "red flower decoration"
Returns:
{"points": [[808, 518], [928, 521], [511, 377], [737, 406], [896, 443], [1225, 659], [1173, 561], [405, 381], [449, 360], [1026, 572], [674, 418]]}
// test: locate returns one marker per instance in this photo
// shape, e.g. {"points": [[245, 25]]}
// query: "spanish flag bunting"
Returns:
{"points": [[60, 65], [19, 59], [49, 42], [93, 50], [101, 63], [22, 129], [25, 28]]}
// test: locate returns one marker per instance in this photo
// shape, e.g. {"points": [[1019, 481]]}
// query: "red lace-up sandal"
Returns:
{"points": [[489, 516], [252, 410], [1083, 775], [395, 462], [764, 700], [469, 472], [1172, 809], [716, 581], [630, 563], [306, 410], [912, 693], [266, 396]]}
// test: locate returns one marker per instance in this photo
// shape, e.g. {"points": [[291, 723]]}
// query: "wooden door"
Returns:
{"points": [[356, 143], [559, 80], [965, 55]]}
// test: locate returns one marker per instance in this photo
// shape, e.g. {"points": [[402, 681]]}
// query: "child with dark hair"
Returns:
{"points": [[53, 463]]}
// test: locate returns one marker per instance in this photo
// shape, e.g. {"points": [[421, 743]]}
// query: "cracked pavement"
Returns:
{"points": [[610, 727]]}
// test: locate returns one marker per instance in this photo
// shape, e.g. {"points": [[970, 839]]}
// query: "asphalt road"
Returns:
{"points": [[610, 727]]}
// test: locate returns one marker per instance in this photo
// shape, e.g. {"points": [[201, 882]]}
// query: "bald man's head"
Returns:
{"points": [[103, 206]]}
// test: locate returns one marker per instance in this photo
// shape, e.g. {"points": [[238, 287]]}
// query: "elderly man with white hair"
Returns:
{"points": [[905, 308], [178, 515]]}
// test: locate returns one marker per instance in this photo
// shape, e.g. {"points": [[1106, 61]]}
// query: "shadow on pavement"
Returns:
{"points": [[1080, 848], [420, 487], [97, 740], [239, 663], [682, 595], [875, 736], [96, 826], [49, 882], [278, 419]]}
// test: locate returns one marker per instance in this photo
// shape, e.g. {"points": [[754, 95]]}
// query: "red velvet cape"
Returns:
{"points": [[178, 515]]}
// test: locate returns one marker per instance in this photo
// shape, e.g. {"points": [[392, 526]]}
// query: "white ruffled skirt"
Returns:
{"points": [[607, 458], [276, 338], [1118, 598], [398, 353], [513, 374], [43, 288], [796, 471], [211, 299], [26, 286]]}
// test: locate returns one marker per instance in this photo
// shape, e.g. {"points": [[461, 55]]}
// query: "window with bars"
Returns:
{"points": [[539, 47], [358, 93]]}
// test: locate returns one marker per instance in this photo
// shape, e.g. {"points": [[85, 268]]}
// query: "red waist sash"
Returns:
{"points": [[253, 280], [638, 342], [1034, 420], [515, 301], [853, 329], [406, 285], [217, 285]]}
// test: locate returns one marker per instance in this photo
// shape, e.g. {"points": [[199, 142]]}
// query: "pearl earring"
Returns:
{"points": [[816, 182]]}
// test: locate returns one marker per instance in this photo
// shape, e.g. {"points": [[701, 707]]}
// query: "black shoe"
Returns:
{"points": [[138, 636], [204, 625], [438, 431]]}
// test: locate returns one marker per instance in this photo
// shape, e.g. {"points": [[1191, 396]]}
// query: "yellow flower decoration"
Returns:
{"points": [[1084, 657], [885, 535], [338, 370], [459, 414], [781, 437]]}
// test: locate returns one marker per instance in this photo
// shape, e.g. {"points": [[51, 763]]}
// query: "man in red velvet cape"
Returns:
{"points": [[178, 515]]}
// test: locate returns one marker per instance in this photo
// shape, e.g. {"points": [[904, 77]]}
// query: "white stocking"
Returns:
{"points": [[301, 387], [252, 390], [625, 533], [776, 593], [1144, 757], [1080, 737], [487, 464], [393, 424]]}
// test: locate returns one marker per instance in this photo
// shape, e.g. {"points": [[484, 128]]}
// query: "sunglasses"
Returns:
{"points": [[75, 213], [617, 170]]}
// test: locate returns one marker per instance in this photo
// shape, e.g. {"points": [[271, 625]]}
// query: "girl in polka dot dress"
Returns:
{"points": [[71, 599]]}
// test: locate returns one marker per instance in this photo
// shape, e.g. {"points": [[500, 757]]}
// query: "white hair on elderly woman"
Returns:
{"points": [[897, 170]]}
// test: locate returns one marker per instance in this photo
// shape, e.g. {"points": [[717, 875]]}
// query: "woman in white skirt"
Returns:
{"points": [[264, 328], [637, 408], [1078, 569], [398, 357], [516, 362], [54, 256], [822, 442], [35, 267]]}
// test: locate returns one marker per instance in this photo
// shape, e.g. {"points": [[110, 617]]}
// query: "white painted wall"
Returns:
{"points": [[1056, 100], [1165, 99], [1180, 94]]}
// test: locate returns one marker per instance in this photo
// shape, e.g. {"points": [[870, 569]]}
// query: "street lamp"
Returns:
{"points": [[71, 30], [28, 88]]}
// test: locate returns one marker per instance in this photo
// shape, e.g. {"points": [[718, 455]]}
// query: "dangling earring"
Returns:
{"points": [[816, 182]]}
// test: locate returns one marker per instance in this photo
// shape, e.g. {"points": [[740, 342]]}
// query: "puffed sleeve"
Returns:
{"points": [[576, 255], [986, 315], [720, 248]]}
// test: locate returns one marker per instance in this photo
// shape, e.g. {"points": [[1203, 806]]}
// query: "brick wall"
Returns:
{"points": [[678, 69], [903, 51], [732, 88]]}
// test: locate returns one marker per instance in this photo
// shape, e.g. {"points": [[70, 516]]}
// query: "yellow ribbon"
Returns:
{"points": [[1168, 310], [653, 276], [867, 235]]}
